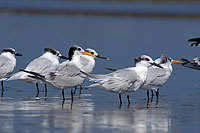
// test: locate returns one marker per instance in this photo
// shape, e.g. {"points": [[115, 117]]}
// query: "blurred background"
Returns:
{"points": [[119, 30]]}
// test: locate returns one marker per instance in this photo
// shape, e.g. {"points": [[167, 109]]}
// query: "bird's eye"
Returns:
{"points": [[54, 53], [147, 59], [92, 53], [79, 49]]}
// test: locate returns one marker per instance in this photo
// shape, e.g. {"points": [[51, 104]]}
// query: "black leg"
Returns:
{"points": [[63, 104], [152, 95], [147, 95], [72, 97], [63, 95], [45, 93], [75, 88], [128, 100], [156, 103], [157, 93], [120, 99], [2, 89], [80, 90], [37, 90]]}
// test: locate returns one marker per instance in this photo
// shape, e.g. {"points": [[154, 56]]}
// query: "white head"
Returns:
{"points": [[10, 52], [76, 51], [146, 61], [54, 52], [196, 60], [166, 62], [93, 52]]}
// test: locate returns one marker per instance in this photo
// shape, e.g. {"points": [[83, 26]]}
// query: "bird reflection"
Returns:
{"points": [[49, 116], [136, 120]]}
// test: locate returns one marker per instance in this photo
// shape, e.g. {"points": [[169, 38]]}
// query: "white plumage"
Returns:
{"points": [[156, 76], [44, 64], [125, 80], [68, 75], [7, 64], [87, 63]]}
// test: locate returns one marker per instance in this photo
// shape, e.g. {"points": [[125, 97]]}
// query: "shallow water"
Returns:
{"points": [[119, 38]]}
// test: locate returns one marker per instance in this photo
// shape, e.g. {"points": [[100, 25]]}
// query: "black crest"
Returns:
{"points": [[12, 51], [51, 51], [72, 50]]}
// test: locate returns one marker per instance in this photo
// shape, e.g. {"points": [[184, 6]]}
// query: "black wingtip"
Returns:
{"points": [[88, 75], [194, 40], [33, 73], [111, 69], [85, 73], [35, 77]]}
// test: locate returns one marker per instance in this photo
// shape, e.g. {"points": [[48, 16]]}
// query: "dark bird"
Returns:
{"points": [[194, 63], [195, 42]]}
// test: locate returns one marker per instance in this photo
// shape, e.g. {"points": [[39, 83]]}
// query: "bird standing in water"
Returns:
{"points": [[46, 63], [124, 81], [156, 76], [7, 64]]}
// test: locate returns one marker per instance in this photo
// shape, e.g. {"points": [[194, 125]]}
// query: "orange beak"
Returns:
{"points": [[86, 53], [176, 61]]}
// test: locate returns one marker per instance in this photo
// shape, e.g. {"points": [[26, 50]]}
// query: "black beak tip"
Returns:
{"points": [[102, 57], [63, 57], [18, 54]]}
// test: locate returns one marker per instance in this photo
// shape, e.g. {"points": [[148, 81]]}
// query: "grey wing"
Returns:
{"points": [[111, 69], [40, 65], [121, 81], [65, 77], [157, 76], [64, 63], [6, 67]]}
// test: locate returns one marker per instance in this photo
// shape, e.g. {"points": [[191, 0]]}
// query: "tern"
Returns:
{"points": [[195, 41], [194, 63], [44, 64], [124, 81], [68, 74], [88, 62], [7, 64], [156, 76]]}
